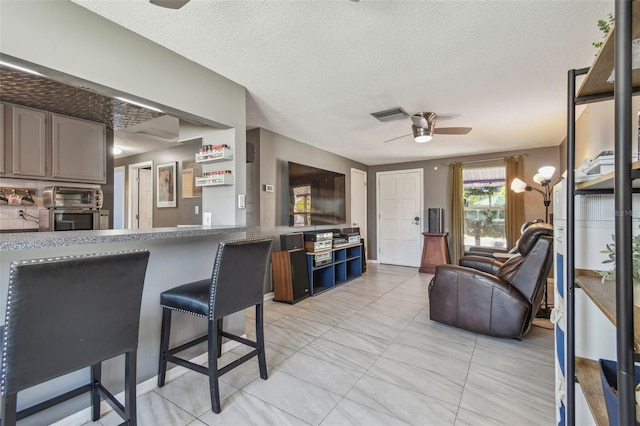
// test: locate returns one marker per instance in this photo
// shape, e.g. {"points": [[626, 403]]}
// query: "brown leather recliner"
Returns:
{"points": [[482, 258], [501, 304]]}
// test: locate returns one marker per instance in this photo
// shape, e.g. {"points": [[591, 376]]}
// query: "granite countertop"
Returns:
{"points": [[35, 240]]}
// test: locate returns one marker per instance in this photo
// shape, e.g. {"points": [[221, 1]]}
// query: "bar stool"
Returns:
{"points": [[67, 313], [237, 283]]}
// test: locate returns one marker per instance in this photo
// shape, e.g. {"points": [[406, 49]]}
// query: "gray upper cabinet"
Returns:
{"points": [[2, 147], [28, 142], [79, 149]]}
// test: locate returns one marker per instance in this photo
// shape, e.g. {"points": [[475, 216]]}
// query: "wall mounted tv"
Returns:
{"points": [[316, 196]]}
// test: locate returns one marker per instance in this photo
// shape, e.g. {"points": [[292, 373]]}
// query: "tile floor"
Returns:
{"points": [[366, 353]]}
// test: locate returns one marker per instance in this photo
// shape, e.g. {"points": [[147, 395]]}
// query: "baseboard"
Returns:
{"points": [[84, 416], [372, 261], [268, 296]]}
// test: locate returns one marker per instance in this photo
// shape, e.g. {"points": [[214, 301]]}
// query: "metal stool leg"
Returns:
{"points": [[262, 360], [164, 345], [96, 378], [9, 406], [219, 327], [213, 366], [130, 407]]}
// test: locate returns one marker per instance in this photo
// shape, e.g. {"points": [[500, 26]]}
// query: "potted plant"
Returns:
{"points": [[610, 275]]}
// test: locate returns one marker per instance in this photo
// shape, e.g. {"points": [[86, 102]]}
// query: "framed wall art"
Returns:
{"points": [[166, 185]]}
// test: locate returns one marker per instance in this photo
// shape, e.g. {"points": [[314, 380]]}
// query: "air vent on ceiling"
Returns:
{"points": [[390, 114]]}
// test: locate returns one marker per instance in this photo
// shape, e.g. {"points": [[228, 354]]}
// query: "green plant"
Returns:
{"points": [[604, 26], [610, 251]]}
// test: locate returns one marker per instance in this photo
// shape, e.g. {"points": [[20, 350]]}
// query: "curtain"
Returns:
{"points": [[514, 203], [456, 208]]}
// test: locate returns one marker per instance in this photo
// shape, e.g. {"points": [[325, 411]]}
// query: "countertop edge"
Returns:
{"points": [[36, 240]]}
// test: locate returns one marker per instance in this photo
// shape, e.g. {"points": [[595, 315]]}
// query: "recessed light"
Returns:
{"points": [[117, 150]]}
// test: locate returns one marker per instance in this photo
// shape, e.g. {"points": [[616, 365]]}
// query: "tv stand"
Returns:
{"points": [[346, 265]]}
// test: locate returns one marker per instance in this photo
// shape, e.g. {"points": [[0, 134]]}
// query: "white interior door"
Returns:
{"points": [[145, 199], [400, 210], [359, 201], [118, 197], [140, 196]]}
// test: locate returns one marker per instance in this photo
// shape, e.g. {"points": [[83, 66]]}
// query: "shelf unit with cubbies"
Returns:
{"points": [[346, 265], [613, 299]]}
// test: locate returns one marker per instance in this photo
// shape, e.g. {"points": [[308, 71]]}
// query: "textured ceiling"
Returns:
{"points": [[314, 70]]}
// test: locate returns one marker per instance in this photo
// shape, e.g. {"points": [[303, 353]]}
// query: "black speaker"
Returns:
{"points": [[293, 241], [436, 224]]}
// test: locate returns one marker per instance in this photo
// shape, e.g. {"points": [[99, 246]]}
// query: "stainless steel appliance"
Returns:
{"points": [[55, 197], [73, 209]]}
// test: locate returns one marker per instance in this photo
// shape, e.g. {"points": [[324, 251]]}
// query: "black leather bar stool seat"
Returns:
{"points": [[237, 283], [65, 314], [192, 298]]}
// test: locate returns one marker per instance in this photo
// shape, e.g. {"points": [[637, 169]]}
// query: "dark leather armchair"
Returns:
{"points": [[500, 304], [484, 258]]}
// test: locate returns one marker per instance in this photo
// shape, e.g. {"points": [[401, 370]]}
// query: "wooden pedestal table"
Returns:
{"points": [[435, 251]]}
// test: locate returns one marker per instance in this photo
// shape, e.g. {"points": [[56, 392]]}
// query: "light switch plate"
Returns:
{"points": [[241, 201], [206, 219]]}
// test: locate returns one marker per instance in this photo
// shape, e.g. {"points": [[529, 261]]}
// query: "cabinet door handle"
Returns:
{"points": [[16, 172]]}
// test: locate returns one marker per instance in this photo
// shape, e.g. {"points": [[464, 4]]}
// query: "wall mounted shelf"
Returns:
{"points": [[217, 155], [215, 180]]}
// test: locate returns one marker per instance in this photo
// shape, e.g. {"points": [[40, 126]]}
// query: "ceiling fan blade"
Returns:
{"points": [[399, 137], [452, 130], [170, 4]]}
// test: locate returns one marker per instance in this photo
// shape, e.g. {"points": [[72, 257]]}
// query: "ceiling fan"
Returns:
{"points": [[170, 4], [424, 127]]}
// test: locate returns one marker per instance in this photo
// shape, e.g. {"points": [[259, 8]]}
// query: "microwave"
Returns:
{"points": [[74, 219]]}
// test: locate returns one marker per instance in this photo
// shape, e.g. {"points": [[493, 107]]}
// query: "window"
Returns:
{"points": [[484, 190], [301, 206]]}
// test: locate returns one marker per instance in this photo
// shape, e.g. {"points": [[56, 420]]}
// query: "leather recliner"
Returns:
{"points": [[501, 304], [482, 258]]}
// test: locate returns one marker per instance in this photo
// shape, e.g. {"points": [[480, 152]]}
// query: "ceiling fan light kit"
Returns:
{"points": [[422, 135]]}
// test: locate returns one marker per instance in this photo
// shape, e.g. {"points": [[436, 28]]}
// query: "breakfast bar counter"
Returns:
{"points": [[177, 255]]}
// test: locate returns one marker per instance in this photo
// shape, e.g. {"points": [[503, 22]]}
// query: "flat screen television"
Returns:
{"points": [[316, 196]]}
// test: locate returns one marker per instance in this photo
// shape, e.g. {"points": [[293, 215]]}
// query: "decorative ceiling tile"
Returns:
{"points": [[42, 93]]}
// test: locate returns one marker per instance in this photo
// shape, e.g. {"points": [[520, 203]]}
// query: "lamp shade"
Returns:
{"points": [[547, 172], [518, 186], [538, 178]]}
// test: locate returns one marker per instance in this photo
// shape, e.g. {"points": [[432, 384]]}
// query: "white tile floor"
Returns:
{"points": [[366, 353]]}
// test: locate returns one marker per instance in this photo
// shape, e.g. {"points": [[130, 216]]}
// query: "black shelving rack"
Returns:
{"points": [[622, 190]]}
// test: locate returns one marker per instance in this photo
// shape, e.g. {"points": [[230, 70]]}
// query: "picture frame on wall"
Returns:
{"points": [[166, 185]]}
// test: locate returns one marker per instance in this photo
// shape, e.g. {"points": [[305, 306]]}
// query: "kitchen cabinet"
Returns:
{"points": [[78, 149], [28, 142]]}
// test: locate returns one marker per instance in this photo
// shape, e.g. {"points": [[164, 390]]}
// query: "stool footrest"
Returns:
{"points": [[111, 400], [187, 345], [53, 401], [237, 362], [186, 364], [239, 339]]}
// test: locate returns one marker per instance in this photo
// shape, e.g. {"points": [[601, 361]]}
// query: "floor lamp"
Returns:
{"points": [[542, 178]]}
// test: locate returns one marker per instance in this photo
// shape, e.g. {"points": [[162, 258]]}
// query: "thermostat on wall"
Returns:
{"points": [[268, 188]]}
